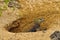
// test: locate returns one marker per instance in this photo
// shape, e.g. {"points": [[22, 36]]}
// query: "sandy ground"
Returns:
{"points": [[32, 9]]}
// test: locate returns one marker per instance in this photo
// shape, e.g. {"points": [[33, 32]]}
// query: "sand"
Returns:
{"points": [[30, 10]]}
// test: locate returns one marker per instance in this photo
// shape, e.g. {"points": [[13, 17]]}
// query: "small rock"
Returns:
{"points": [[14, 4], [55, 35]]}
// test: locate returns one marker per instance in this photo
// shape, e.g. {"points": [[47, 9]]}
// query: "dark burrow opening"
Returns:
{"points": [[14, 27]]}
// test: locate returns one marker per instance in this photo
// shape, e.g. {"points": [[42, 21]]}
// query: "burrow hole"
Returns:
{"points": [[20, 26]]}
